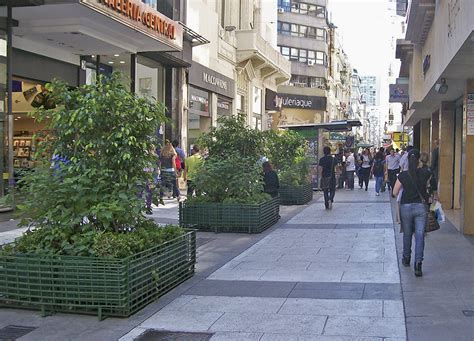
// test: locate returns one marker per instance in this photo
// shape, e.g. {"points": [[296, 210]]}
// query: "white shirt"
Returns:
{"points": [[365, 161], [350, 164], [404, 162], [393, 162]]}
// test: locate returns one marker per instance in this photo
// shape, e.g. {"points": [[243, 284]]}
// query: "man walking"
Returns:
{"points": [[350, 169], [393, 167], [191, 168]]}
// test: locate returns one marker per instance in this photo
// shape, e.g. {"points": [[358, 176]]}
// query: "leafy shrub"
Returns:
{"points": [[100, 137], [59, 241], [286, 150], [232, 178]]}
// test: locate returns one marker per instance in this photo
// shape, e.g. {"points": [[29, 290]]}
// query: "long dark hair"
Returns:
{"points": [[413, 162]]}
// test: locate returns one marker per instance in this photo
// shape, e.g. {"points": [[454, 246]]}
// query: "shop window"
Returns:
{"points": [[198, 101], [224, 106]]}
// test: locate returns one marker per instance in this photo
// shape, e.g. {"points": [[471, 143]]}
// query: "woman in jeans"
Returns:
{"points": [[413, 207], [168, 169], [364, 171], [378, 171]]}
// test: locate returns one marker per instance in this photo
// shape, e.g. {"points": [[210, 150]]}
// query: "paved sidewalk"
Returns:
{"points": [[324, 275]]}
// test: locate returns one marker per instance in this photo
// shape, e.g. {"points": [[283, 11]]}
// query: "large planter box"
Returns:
{"points": [[240, 218], [102, 286], [296, 195]]}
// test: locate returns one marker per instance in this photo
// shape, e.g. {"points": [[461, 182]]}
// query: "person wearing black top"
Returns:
{"points": [[328, 182], [413, 207], [271, 185]]}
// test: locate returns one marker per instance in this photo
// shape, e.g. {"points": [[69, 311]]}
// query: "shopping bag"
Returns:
{"points": [[438, 209]]}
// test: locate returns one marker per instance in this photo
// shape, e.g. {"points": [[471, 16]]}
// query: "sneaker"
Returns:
{"points": [[418, 271], [406, 261]]}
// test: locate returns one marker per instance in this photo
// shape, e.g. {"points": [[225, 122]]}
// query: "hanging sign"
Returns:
{"points": [[470, 114]]}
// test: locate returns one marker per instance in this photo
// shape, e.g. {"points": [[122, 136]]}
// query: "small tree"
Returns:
{"points": [[101, 139]]}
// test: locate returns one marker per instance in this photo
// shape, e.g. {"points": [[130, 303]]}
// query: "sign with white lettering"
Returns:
{"points": [[208, 79], [142, 18], [273, 101], [470, 114]]}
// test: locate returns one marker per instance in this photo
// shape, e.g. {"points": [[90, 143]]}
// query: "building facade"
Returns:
{"points": [[75, 41], [303, 40], [243, 47], [357, 107], [369, 89], [437, 58]]}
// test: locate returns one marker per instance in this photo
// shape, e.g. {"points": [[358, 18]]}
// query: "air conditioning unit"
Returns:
{"points": [[281, 10], [311, 62]]}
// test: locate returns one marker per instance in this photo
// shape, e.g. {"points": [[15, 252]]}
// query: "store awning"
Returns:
{"points": [[345, 125], [87, 27]]}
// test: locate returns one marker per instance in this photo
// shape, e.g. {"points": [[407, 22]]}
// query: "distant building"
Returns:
{"points": [[370, 91]]}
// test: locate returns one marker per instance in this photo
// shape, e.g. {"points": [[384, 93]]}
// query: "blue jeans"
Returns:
{"points": [[378, 183], [413, 218]]}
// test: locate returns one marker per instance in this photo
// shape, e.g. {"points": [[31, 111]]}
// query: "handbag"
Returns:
{"points": [[431, 221]]}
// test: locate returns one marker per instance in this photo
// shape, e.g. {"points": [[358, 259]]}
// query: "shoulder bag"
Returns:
{"points": [[431, 221]]}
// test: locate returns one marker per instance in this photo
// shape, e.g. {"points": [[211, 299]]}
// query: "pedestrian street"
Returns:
{"points": [[322, 275]]}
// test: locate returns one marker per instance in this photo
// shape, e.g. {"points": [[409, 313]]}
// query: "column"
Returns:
{"points": [[468, 181], [425, 127], [446, 153], [434, 131]]}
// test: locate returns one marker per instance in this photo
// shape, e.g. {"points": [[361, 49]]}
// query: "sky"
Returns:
{"points": [[366, 28]]}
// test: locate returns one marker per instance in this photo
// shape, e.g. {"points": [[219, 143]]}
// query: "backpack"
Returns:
{"points": [[378, 166], [178, 163]]}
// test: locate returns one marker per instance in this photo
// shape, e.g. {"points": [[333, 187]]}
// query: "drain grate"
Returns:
{"points": [[11, 333], [468, 313], [164, 335]]}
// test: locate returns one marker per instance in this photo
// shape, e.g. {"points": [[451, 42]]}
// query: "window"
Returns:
{"points": [[305, 9], [305, 81], [303, 55], [297, 30]]}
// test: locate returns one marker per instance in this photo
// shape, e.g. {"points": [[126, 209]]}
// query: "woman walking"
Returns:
{"points": [[365, 164], [413, 207], [378, 171], [168, 169], [328, 177]]}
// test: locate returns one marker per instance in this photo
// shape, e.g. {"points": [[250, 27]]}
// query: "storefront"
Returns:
{"points": [[291, 109], [75, 41], [211, 96]]}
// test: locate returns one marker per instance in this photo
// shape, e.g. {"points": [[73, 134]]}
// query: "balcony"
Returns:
{"points": [[252, 47], [419, 19]]}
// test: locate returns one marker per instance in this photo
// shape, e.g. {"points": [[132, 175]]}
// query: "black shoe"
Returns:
{"points": [[406, 261], [366, 189], [418, 271]]}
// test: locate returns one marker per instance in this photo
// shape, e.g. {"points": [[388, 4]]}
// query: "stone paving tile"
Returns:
{"points": [[187, 320], [293, 337], [309, 226], [360, 213], [232, 304], [266, 265], [393, 309], [236, 336], [370, 277], [242, 288], [233, 274], [430, 304], [306, 306], [330, 286], [347, 266], [270, 323], [383, 291], [327, 294], [365, 326], [302, 276]]}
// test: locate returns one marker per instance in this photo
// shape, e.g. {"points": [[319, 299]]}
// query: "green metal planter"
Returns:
{"points": [[102, 286], [296, 195], [239, 218]]}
